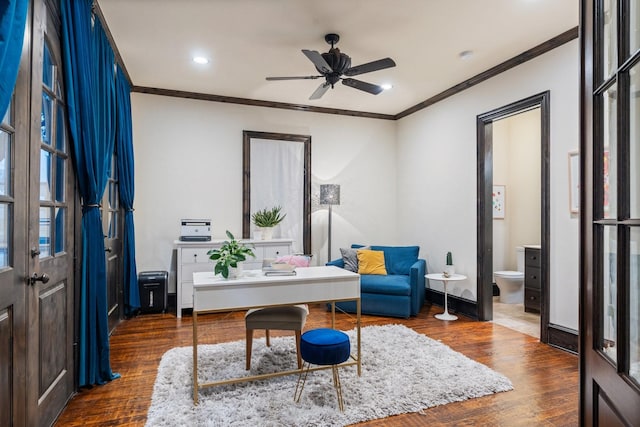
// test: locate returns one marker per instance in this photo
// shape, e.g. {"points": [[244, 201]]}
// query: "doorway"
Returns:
{"points": [[37, 229], [485, 183], [516, 221]]}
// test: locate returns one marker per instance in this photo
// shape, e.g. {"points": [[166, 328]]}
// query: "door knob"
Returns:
{"points": [[35, 252], [107, 249], [41, 278]]}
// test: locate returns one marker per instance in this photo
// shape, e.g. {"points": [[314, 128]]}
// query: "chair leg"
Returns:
{"points": [[298, 337], [266, 332], [249, 339]]}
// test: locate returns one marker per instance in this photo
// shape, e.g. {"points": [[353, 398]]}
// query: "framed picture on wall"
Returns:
{"points": [[498, 201], [574, 182]]}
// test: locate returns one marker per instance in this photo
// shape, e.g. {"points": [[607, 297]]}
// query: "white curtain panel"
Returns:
{"points": [[277, 179]]}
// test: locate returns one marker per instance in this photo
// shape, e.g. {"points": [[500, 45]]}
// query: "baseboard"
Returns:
{"points": [[455, 303], [563, 338], [558, 336], [171, 302]]}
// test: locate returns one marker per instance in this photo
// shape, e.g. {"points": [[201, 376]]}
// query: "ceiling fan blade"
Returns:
{"points": [[293, 78], [318, 61], [320, 91], [380, 64], [367, 87]]}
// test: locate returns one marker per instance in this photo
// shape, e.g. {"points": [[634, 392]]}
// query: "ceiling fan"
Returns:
{"points": [[334, 64]]}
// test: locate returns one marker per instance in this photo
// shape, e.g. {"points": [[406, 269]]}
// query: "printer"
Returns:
{"points": [[195, 230]]}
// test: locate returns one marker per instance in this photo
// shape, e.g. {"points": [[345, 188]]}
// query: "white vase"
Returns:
{"points": [[267, 233], [235, 272]]}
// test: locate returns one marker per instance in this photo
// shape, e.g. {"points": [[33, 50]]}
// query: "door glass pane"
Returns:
{"points": [[59, 230], [5, 163], [45, 232], [47, 67], [634, 141], [608, 339], [609, 155], [609, 48], [634, 305], [7, 116], [45, 118], [60, 178], [4, 235], [634, 25], [61, 130], [45, 175]]}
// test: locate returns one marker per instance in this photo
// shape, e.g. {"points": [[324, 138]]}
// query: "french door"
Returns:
{"points": [[50, 293], [112, 225], [610, 213], [14, 144]]}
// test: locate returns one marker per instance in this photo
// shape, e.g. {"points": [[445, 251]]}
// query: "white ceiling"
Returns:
{"points": [[248, 40]]}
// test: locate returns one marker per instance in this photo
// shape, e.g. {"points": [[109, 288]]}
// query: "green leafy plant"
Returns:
{"points": [[229, 255], [268, 217], [449, 258]]}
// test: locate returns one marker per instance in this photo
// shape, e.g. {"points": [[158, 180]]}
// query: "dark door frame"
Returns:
{"points": [[485, 217]]}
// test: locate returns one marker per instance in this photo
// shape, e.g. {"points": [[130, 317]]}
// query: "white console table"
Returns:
{"points": [[192, 258]]}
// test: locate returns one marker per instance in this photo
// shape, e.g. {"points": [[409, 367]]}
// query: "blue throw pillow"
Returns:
{"points": [[398, 259]]}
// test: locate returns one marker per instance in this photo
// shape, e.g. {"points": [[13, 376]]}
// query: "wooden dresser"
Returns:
{"points": [[532, 280], [192, 257]]}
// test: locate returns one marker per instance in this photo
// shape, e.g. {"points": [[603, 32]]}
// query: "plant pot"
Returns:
{"points": [[235, 272], [267, 233], [450, 269], [257, 234]]}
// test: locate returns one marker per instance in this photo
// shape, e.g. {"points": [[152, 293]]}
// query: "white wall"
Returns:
{"points": [[516, 165], [437, 174], [407, 182], [189, 165]]}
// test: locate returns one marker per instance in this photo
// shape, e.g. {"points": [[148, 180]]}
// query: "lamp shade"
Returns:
{"points": [[329, 194]]}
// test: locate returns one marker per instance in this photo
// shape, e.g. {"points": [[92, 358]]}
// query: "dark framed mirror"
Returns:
{"points": [[277, 172]]}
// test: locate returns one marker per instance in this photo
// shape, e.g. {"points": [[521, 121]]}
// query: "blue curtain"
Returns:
{"points": [[13, 16], [124, 148], [90, 86]]}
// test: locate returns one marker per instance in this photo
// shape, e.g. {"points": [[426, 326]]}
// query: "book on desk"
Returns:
{"points": [[270, 271]]}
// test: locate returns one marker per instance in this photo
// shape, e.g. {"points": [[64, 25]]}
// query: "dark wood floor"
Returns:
{"points": [[545, 379]]}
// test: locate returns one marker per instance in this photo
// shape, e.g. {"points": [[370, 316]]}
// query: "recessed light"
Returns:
{"points": [[465, 54], [386, 86], [200, 60]]}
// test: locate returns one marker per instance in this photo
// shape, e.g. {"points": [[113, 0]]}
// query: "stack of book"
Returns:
{"points": [[279, 269]]}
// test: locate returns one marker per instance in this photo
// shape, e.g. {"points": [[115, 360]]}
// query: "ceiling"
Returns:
{"points": [[248, 40]]}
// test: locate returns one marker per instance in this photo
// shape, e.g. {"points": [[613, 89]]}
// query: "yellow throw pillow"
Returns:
{"points": [[371, 262]]}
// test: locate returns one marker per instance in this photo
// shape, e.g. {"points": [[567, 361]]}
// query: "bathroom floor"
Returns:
{"points": [[514, 317]]}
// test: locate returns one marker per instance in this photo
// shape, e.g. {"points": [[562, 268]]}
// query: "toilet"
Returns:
{"points": [[511, 283]]}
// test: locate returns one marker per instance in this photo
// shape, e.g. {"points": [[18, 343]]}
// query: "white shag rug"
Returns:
{"points": [[402, 371]]}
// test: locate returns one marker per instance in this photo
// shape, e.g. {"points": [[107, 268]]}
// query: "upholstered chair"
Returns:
{"points": [[285, 318]]}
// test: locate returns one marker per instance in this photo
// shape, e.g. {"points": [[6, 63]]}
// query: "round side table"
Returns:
{"points": [[445, 280]]}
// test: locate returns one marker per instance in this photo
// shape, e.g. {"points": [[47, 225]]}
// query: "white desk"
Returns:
{"points": [[213, 293], [452, 278]]}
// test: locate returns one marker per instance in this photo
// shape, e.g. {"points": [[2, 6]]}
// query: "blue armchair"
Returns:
{"points": [[400, 293]]}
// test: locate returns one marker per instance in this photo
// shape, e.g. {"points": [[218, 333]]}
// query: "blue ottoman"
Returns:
{"points": [[323, 346]]}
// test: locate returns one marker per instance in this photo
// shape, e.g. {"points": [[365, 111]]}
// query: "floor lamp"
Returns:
{"points": [[329, 195]]}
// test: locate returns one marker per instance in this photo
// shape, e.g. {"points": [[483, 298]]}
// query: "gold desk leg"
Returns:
{"points": [[359, 340], [333, 314], [195, 357]]}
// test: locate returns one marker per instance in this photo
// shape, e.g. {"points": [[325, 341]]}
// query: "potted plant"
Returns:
{"points": [[228, 256], [449, 268], [266, 219]]}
